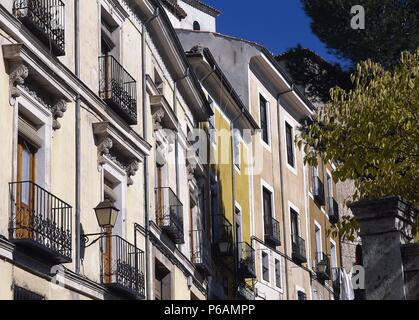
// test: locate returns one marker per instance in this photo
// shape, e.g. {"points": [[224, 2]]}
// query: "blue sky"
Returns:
{"points": [[276, 24]]}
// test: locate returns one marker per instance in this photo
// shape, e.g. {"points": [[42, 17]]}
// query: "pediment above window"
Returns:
{"points": [[112, 145], [163, 115], [27, 73]]}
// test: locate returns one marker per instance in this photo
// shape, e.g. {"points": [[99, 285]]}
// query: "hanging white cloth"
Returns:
{"points": [[346, 287]]}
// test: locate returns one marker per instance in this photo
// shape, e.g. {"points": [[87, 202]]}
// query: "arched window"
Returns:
{"points": [[196, 26]]}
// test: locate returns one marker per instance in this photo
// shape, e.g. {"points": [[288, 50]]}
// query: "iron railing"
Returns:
{"points": [[246, 260], [118, 88], [246, 290], [298, 249], [40, 221], [272, 231], [222, 236], [333, 210], [46, 19], [201, 251], [169, 212], [322, 265], [123, 266], [318, 191]]}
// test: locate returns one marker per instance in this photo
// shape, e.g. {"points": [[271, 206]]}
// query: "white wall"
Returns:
{"points": [[206, 21]]}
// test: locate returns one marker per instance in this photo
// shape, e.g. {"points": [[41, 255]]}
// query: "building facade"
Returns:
{"points": [[147, 156], [294, 254]]}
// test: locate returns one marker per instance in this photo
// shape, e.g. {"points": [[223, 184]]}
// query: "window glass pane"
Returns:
{"points": [[290, 145], [25, 174], [267, 203], [278, 273], [264, 119], [265, 266]]}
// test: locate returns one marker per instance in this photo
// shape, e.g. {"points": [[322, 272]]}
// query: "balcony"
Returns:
{"points": [[333, 210], [246, 260], [246, 291], [222, 237], [299, 249], [322, 266], [123, 267], [272, 231], [40, 222], [169, 212], [201, 251], [46, 20], [118, 89], [318, 191]]}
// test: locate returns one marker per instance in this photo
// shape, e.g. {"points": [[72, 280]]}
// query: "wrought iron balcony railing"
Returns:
{"points": [[45, 19], [272, 231], [222, 236], [169, 212], [123, 267], [318, 191], [333, 210], [40, 222], [201, 251], [246, 260], [322, 266], [298, 249], [118, 88]]}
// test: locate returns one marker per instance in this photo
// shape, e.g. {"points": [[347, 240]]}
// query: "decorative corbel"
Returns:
{"points": [[131, 170], [103, 149], [17, 77], [58, 111], [157, 119]]}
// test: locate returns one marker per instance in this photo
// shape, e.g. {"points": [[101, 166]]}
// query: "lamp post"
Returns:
{"points": [[106, 215]]}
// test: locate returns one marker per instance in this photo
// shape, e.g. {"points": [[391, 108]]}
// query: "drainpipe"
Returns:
{"points": [[175, 89], [78, 133], [281, 175], [233, 176], [148, 263]]}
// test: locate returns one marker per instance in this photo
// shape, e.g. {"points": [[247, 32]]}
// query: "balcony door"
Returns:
{"points": [[267, 210], [111, 191], [295, 232], [26, 160]]}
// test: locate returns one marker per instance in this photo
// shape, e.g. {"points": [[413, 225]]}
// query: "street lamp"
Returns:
{"points": [[106, 215]]}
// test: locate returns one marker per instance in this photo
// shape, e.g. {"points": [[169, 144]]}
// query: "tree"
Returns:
{"points": [[315, 74], [392, 26], [371, 132]]}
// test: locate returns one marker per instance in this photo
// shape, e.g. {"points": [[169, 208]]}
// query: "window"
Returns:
{"points": [[162, 282], [278, 273], [24, 294], [196, 26], [237, 149], [264, 119], [333, 256], [158, 81], [318, 241], [265, 266], [290, 144], [109, 35], [267, 203], [301, 295], [295, 232]]}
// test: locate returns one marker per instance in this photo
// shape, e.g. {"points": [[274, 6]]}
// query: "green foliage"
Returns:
{"points": [[371, 132], [315, 74], [392, 26]]}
